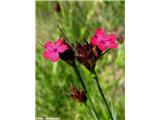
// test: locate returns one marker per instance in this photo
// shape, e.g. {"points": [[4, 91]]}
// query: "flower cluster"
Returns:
{"points": [[85, 53]]}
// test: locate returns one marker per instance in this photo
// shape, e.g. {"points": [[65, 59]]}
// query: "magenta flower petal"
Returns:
{"points": [[48, 44], [59, 42], [111, 45], [102, 46], [94, 41], [100, 33], [54, 57], [112, 37], [62, 48], [46, 54]]}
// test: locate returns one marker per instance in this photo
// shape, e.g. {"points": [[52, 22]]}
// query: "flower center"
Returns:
{"points": [[54, 49], [103, 42]]}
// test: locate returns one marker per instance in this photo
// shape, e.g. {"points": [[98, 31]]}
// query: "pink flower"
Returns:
{"points": [[103, 41], [52, 50]]}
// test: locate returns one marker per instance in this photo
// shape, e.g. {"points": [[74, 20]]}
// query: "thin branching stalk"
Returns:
{"points": [[88, 96], [102, 94], [74, 65]]}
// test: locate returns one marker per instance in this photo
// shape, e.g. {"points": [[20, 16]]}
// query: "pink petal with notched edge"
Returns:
{"points": [[100, 33], [54, 57], [48, 44], [102, 46], [111, 45], [59, 42], [62, 48], [94, 41], [46, 54], [111, 37]]}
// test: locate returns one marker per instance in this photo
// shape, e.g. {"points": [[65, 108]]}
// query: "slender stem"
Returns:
{"points": [[38, 42], [79, 75], [84, 87], [64, 35], [102, 94], [104, 53]]}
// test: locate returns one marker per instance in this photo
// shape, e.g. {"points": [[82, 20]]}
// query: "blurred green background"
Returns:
{"points": [[79, 20]]}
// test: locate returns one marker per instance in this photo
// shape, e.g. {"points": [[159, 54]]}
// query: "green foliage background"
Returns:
{"points": [[53, 80]]}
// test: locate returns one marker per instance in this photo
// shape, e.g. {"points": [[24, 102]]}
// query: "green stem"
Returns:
{"points": [[84, 87], [104, 53], [102, 94]]}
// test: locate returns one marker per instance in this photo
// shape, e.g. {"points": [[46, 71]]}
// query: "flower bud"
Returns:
{"points": [[78, 95]]}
